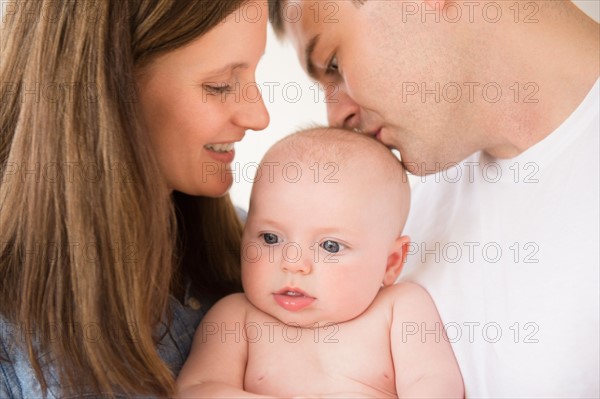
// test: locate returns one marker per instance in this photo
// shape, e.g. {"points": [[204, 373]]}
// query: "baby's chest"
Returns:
{"points": [[347, 357]]}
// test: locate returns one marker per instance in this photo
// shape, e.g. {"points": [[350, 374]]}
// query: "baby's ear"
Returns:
{"points": [[395, 260]]}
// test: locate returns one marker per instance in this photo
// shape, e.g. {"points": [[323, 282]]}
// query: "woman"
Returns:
{"points": [[114, 175]]}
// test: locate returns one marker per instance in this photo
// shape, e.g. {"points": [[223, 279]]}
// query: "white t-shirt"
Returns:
{"points": [[509, 251]]}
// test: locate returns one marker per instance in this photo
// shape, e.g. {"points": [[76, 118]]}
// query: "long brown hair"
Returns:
{"points": [[88, 232]]}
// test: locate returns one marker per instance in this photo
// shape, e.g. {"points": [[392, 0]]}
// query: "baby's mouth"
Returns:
{"points": [[293, 299], [293, 292]]}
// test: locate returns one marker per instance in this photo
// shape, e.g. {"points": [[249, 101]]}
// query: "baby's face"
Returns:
{"points": [[316, 252]]}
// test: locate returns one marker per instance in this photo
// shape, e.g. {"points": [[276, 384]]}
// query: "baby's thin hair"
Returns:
{"points": [[351, 152], [342, 146]]}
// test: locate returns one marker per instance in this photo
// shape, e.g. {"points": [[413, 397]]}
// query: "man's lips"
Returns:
{"points": [[377, 134], [372, 132], [292, 299]]}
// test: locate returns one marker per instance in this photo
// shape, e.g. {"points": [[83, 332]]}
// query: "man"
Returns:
{"points": [[498, 104]]}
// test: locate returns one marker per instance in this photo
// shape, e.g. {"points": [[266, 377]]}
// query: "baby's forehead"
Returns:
{"points": [[338, 151], [342, 159], [332, 171]]}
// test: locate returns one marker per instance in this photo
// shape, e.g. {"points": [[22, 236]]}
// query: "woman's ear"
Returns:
{"points": [[395, 260]]}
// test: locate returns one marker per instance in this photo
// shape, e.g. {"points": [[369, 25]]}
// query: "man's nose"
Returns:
{"points": [[342, 111]]}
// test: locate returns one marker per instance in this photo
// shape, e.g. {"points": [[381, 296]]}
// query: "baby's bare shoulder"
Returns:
{"points": [[233, 300], [407, 299], [231, 306], [400, 298], [237, 306], [404, 291]]}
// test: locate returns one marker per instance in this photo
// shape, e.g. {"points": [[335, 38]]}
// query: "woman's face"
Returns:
{"points": [[198, 100]]}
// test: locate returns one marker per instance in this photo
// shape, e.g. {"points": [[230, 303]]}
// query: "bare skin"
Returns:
{"points": [[320, 315], [371, 57], [349, 359]]}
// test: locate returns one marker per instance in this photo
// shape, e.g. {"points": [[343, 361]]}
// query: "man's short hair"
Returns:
{"points": [[277, 18]]}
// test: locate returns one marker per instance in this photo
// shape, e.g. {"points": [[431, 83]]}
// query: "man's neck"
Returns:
{"points": [[545, 68]]}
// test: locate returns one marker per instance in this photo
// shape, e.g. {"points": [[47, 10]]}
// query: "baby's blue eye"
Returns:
{"points": [[331, 246], [270, 238]]}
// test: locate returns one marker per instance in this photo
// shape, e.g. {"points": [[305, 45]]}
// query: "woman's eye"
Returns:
{"points": [[217, 89], [332, 66], [331, 246], [270, 238]]}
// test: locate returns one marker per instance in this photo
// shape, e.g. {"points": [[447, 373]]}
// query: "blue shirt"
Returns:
{"points": [[17, 378]]}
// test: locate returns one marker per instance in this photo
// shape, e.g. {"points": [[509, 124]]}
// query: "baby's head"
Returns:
{"points": [[324, 228]]}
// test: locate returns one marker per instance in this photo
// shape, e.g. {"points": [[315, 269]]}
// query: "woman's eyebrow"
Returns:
{"points": [[231, 66]]}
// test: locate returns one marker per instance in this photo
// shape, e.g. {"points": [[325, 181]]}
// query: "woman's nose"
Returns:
{"points": [[252, 112]]}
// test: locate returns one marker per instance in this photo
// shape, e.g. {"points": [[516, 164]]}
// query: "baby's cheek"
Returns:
{"points": [[351, 302], [249, 278], [252, 292], [254, 279]]}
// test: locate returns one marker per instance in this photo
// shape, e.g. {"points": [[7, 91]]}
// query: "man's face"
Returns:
{"points": [[369, 61]]}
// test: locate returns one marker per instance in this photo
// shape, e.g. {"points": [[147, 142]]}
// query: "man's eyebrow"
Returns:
{"points": [[308, 53]]}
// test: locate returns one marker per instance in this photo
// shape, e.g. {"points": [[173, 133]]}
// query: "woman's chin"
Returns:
{"points": [[208, 189]]}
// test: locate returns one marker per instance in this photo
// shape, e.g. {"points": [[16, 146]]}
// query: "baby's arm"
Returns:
{"points": [[425, 364], [217, 362]]}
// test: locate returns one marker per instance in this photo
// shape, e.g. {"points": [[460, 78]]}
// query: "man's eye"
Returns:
{"points": [[332, 66], [270, 238], [331, 246]]}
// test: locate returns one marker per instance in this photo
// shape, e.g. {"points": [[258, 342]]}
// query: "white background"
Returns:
{"points": [[280, 65]]}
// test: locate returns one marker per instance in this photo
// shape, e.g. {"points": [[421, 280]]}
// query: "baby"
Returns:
{"points": [[321, 316]]}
